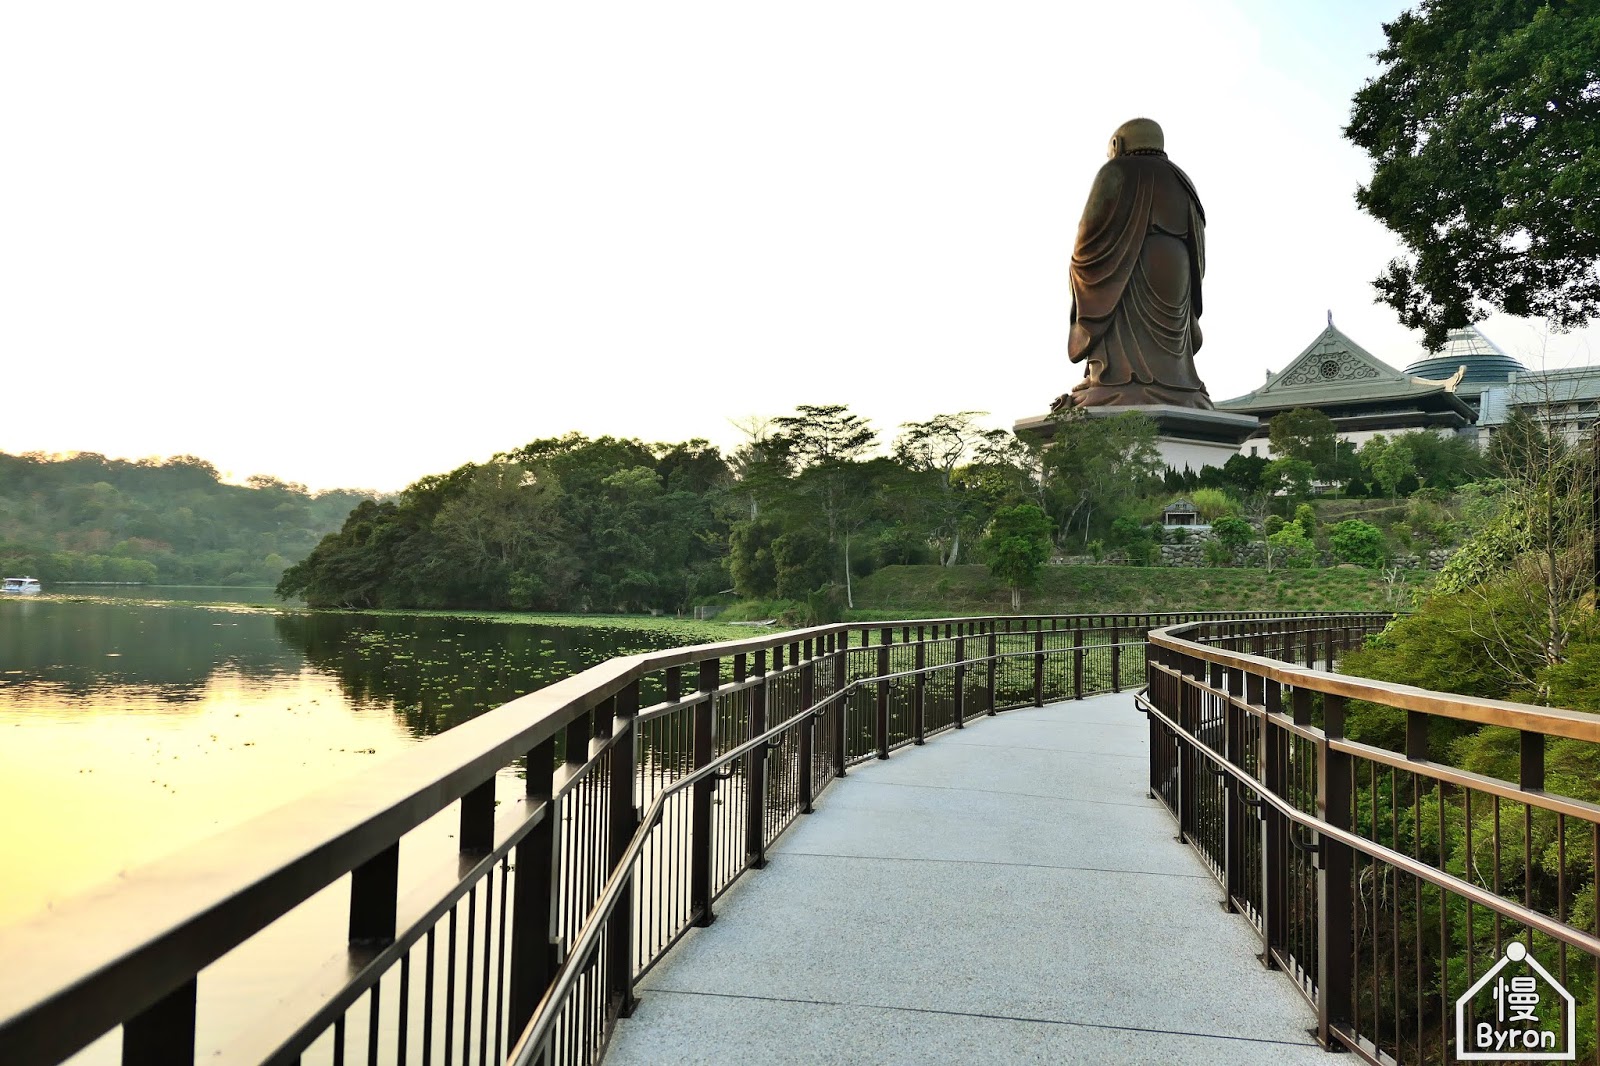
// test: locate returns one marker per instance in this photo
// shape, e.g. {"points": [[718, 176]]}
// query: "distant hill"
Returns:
{"points": [[89, 518]]}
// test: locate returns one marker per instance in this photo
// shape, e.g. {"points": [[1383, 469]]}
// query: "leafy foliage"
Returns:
{"points": [[1355, 541], [89, 518], [1017, 546], [1307, 434], [1484, 128]]}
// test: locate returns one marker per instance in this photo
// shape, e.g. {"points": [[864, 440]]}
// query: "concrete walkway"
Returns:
{"points": [[1005, 894]]}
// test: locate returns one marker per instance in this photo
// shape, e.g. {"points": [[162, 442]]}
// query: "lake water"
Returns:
{"points": [[130, 727], [136, 721]]}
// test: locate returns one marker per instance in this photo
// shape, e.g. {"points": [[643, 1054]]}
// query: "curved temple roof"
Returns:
{"points": [[1485, 363]]}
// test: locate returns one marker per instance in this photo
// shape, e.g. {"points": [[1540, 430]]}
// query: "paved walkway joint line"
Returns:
{"points": [[1027, 904]]}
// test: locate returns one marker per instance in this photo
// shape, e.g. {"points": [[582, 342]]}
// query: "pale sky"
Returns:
{"points": [[352, 244]]}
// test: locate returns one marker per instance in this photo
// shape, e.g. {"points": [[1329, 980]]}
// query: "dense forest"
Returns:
{"points": [[89, 518], [815, 500]]}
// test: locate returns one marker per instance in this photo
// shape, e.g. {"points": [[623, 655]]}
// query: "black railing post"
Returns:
{"points": [[1274, 850], [1335, 894], [163, 1033], [808, 730], [961, 677], [1038, 664], [700, 844], [841, 717], [1530, 766], [1188, 760], [624, 818], [477, 820], [755, 829], [1077, 664], [1233, 821], [886, 638], [1116, 658], [374, 893], [994, 662], [919, 696], [533, 950]]}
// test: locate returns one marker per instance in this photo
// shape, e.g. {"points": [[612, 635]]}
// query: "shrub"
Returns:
{"points": [[1213, 504], [1355, 541]]}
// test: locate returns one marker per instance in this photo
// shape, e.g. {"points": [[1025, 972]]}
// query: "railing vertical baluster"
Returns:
{"points": [[755, 830], [1335, 902], [919, 705], [700, 843], [961, 677], [1077, 663], [163, 1033], [886, 636], [533, 950]]}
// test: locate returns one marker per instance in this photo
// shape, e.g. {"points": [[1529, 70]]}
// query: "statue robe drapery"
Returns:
{"points": [[1136, 272]]}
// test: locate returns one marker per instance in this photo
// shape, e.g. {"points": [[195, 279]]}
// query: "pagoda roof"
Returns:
{"points": [[1335, 371]]}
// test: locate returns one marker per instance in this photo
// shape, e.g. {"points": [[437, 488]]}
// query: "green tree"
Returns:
{"points": [[750, 558], [1017, 547], [1097, 467], [1306, 433], [1234, 534], [1355, 541], [1290, 547], [1484, 131], [1387, 462], [1288, 477], [936, 449]]}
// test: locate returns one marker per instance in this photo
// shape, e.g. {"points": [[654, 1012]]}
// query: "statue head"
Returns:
{"points": [[1136, 135]]}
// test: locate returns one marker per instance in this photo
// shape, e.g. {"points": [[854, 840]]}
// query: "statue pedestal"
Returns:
{"points": [[1186, 436]]}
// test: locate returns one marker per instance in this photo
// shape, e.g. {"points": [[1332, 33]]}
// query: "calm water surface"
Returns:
{"points": [[130, 728], [136, 721]]}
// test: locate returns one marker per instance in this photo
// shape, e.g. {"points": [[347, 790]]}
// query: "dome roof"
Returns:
{"points": [[1486, 364]]}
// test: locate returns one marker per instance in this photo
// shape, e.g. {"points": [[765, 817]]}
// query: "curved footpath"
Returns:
{"points": [[1007, 894]]}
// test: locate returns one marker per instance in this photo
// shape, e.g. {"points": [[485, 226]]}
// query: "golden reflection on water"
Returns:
{"points": [[97, 783]]}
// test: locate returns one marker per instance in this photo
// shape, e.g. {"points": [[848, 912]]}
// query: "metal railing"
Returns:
{"points": [[1382, 881], [651, 783]]}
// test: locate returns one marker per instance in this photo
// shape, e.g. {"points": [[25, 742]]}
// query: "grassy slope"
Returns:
{"points": [[910, 590]]}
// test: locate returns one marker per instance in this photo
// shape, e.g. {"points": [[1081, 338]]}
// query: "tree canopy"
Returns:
{"points": [[89, 518], [1484, 131]]}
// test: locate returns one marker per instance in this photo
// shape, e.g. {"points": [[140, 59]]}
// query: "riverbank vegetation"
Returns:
{"points": [[815, 502], [88, 518]]}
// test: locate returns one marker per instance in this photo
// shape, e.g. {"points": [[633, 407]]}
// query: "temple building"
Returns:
{"points": [[1361, 393]]}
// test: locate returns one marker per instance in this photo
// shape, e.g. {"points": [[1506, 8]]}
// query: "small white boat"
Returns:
{"points": [[21, 586]]}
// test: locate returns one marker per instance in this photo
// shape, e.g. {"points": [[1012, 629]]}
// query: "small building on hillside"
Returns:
{"points": [[1361, 393], [1180, 513]]}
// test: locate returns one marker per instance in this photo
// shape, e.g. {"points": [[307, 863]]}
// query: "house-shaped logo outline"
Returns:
{"points": [[1515, 1056]]}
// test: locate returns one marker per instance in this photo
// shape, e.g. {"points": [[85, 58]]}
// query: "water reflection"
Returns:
{"points": [[129, 730]]}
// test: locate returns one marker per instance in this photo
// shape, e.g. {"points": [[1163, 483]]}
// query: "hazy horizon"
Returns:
{"points": [[351, 245]]}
